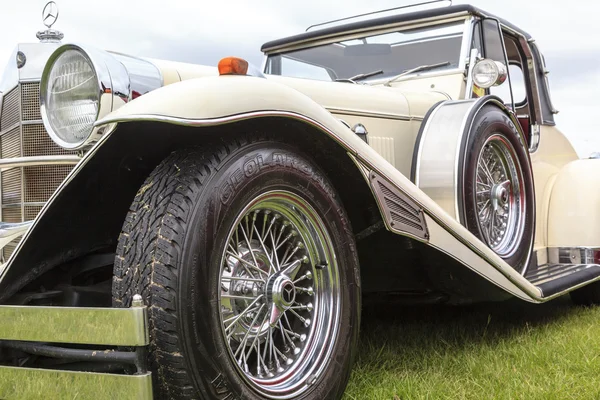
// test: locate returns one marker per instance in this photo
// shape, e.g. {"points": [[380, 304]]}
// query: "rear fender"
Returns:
{"points": [[220, 102], [574, 207]]}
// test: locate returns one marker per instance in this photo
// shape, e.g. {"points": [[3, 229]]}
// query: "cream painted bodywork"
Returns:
{"points": [[574, 206], [208, 102], [450, 84], [391, 117], [553, 153]]}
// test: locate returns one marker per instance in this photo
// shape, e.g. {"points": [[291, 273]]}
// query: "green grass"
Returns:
{"points": [[511, 350]]}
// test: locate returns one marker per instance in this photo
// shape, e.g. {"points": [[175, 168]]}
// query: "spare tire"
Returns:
{"points": [[496, 192]]}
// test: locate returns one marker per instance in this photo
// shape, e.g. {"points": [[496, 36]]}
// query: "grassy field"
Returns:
{"points": [[511, 350]]}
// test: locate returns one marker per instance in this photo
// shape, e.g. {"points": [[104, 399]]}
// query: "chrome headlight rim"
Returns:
{"points": [[113, 87], [497, 69]]}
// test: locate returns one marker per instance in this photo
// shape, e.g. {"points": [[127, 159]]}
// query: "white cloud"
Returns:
{"points": [[202, 32]]}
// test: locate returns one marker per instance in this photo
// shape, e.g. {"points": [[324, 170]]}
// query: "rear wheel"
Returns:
{"points": [[246, 260]]}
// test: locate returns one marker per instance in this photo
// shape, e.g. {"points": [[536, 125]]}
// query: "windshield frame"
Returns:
{"points": [[467, 34]]}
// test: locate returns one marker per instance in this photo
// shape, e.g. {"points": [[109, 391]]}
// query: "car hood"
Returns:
{"points": [[376, 101], [337, 97]]}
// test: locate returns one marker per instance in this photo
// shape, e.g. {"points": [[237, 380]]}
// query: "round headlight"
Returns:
{"points": [[70, 98], [488, 73]]}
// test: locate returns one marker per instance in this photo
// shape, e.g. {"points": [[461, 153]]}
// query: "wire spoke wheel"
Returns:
{"points": [[499, 196], [279, 294]]}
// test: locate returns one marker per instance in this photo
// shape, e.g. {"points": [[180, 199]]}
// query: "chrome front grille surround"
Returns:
{"points": [[24, 190]]}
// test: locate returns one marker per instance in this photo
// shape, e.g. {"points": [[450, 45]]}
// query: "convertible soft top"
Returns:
{"points": [[382, 21]]}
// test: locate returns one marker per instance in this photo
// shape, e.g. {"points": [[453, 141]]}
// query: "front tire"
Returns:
{"points": [[246, 260]]}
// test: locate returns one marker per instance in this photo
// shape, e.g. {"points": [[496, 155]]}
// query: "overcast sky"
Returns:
{"points": [[204, 31]]}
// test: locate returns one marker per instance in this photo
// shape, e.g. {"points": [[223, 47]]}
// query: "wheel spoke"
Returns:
{"points": [[245, 339], [247, 263], [250, 246], [275, 252], [264, 248]]}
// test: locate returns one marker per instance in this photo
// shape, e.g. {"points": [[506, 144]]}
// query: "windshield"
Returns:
{"points": [[392, 53]]}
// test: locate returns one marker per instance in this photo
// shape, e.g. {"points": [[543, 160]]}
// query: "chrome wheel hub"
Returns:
{"points": [[500, 195], [279, 313]]}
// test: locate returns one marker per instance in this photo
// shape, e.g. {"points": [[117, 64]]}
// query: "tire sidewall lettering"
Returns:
{"points": [[258, 163]]}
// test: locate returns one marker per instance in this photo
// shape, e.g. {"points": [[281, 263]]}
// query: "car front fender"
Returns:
{"points": [[220, 102]]}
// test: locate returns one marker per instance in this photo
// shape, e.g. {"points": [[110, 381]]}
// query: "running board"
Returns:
{"points": [[552, 279]]}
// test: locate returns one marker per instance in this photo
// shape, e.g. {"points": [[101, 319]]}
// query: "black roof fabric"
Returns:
{"points": [[436, 12]]}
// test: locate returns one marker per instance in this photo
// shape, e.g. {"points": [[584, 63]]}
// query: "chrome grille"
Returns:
{"points": [[31, 212], [10, 109], [30, 101], [26, 189], [41, 181], [37, 142]]}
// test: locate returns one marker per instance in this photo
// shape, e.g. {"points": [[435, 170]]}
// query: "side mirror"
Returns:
{"points": [[488, 73]]}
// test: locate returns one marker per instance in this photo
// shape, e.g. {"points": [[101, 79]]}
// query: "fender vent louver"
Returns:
{"points": [[402, 214]]}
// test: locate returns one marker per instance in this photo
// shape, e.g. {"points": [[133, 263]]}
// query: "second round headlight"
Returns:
{"points": [[488, 73]]}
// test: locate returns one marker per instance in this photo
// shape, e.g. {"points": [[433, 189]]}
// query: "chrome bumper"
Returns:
{"points": [[23, 326], [8, 163]]}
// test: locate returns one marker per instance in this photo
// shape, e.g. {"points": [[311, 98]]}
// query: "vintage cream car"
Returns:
{"points": [[184, 231]]}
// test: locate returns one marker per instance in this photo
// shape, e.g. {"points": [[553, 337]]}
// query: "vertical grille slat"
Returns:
{"points": [[25, 189], [11, 187], [10, 143], [10, 108]]}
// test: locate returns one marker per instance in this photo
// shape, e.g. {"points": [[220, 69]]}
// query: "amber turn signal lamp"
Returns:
{"points": [[233, 66]]}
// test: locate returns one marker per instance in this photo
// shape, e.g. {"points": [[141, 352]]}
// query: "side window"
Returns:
{"points": [[517, 82], [494, 49], [492, 41]]}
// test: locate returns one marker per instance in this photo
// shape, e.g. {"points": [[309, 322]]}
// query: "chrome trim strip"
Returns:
{"points": [[26, 204], [7, 163], [76, 325], [32, 383], [369, 114], [467, 39], [32, 122], [469, 82]]}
